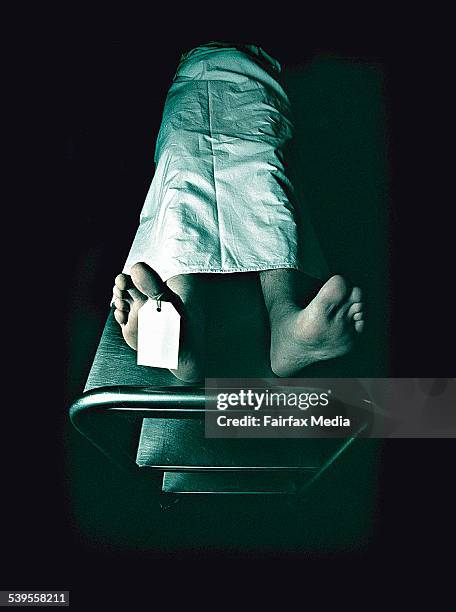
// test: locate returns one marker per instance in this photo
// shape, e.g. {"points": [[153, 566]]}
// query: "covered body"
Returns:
{"points": [[221, 200]]}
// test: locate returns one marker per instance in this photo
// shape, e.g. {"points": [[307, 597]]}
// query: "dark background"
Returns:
{"points": [[110, 99]]}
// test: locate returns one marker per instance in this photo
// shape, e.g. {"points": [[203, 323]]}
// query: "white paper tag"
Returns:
{"points": [[158, 335]]}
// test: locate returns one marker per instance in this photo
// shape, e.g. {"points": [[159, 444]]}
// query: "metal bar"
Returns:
{"points": [[88, 413], [326, 465], [178, 402], [230, 468]]}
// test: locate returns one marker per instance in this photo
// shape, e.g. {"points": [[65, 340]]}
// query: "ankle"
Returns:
{"points": [[281, 309]]}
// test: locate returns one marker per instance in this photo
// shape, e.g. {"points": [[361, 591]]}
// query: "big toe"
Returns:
{"points": [[147, 280], [333, 293]]}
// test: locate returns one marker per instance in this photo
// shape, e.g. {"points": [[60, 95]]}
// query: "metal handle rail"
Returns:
{"points": [[180, 402], [88, 415]]}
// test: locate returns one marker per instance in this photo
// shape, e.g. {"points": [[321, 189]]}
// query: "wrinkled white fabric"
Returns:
{"points": [[220, 199]]}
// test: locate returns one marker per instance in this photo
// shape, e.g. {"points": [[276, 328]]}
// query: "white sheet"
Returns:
{"points": [[220, 199]]}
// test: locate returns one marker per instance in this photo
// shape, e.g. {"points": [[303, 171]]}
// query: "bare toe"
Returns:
{"points": [[354, 308], [355, 295], [118, 293], [122, 305], [121, 317], [359, 326], [123, 282]]}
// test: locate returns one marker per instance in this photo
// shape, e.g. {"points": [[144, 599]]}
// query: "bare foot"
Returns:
{"points": [[131, 292], [325, 329]]}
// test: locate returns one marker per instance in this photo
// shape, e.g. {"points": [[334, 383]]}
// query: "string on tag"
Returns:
{"points": [[158, 300]]}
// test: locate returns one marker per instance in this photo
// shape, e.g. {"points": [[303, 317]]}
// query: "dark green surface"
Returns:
{"points": [[259, 483]]}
